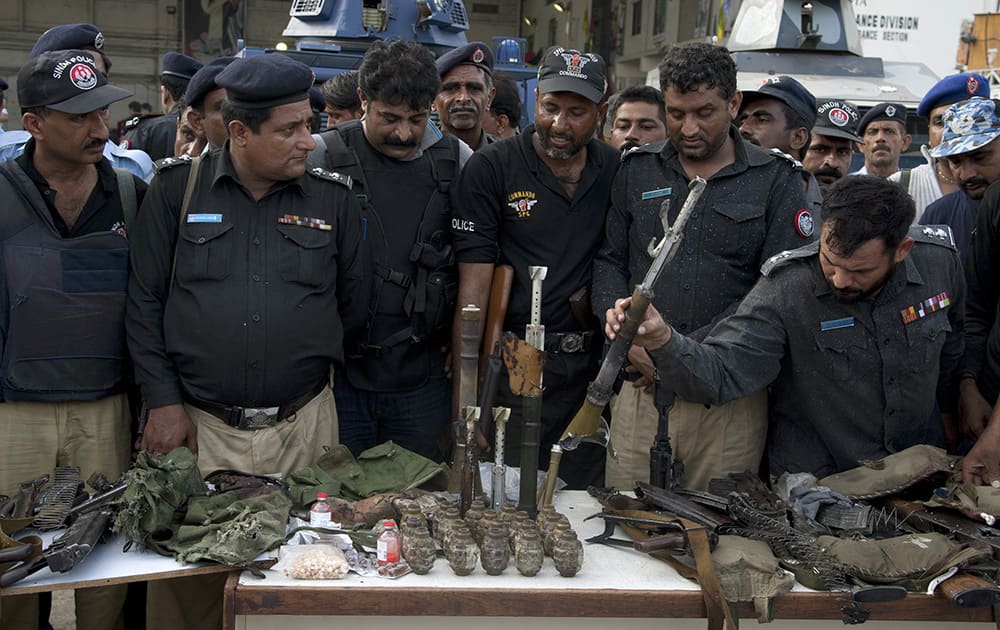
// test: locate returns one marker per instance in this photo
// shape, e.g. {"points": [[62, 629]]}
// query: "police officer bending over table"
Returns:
{"points": [[240, 301], [856, 335]]}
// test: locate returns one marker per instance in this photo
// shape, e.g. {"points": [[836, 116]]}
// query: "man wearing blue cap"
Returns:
{"points": [[466, 93], [156, 134], [884, 139], [241, 296], [63, 234], [969, 145], [928, 182], [79, 37]]}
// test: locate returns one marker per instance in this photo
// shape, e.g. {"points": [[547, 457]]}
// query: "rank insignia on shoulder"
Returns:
{"points": [[168, 162], [332, 176], [937, 234], [782, 258], [938, 302], [784, 156], [804, 224]]}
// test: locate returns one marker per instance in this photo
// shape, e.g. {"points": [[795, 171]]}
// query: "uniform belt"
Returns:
{"points": [[568, 342], [255, 418]]}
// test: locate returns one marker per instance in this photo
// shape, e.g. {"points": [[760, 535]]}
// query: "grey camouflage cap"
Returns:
{"points": [[968, 126]]}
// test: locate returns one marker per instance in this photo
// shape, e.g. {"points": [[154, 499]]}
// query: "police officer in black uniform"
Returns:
{"points": [[156, 134], [466, 93], [541, 199], [205, 99]]}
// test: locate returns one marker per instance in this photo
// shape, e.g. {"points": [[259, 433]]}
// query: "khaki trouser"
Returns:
{"points": [[37, 437], [195, 603], [710, 441]]}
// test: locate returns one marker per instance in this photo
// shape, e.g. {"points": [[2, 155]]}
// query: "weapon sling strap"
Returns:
{"points": [[192, 179], [126, 190]]}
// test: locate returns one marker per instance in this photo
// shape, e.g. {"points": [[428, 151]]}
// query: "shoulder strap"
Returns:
{"points": [[904, 179], [126, 189], [192, 179], [317, 157]]}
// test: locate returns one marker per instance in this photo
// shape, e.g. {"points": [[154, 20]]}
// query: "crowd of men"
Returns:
{"points": [[275, 288]]}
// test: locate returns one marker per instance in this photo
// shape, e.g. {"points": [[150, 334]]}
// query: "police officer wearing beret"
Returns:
{"points": [[833, 138], [205, 98], [884, 139], [241, 298], [466, 93], [932, 180], [156, 134], [753, 207], [858, 335]]}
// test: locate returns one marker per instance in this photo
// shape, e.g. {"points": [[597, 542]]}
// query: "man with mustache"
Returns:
{"points": [[395, 385], [466, 93], [969, 144], [540, 199], [833, 137], [241, 295], [883, 132], [64, 243], [753, 207], [857, 335]]}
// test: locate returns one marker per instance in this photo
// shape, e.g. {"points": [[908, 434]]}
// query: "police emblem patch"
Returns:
{"points": [[804, 224], [521, 202], [962, 124], [99, 41], [83, 76], [971, 85], [890, 111], [838, 117], [478, 55]]}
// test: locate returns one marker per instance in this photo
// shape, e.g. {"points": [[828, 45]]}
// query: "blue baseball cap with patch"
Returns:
{"points": [[952, 89], [968, 126]]}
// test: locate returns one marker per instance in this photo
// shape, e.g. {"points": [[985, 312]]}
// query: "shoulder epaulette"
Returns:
{"points": [[332, 176], [783, 258], [784, 156], [935, 234], [170, 162], [131, 123]]}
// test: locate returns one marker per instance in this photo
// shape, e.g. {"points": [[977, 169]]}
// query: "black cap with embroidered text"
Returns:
{"points": [[265, 81], [181, 66], [838, 119], [567, 70], [66, 81], [475, 54], [68, 37]]}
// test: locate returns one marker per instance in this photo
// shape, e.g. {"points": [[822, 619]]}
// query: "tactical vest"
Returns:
{"points": [[433, 291], [63, 317]]}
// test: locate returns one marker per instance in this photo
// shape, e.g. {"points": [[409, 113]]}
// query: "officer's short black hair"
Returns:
{"points": [[637, 93], [507, 100], [686, 67], [860, 208], [342, 91], [176, 86], [399, 72], [252, 118]]}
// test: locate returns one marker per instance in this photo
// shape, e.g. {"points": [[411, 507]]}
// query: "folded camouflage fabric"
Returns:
{"points": [[383, 468], [911, 561], [158, 486], [749, 572], [889, 475]]}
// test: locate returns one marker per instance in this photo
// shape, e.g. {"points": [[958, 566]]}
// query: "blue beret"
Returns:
{"points": [[882, 111], [203, 81], [265, 81], [68, 37], [475, 54], [178, 65], [952, 89], [790, 92], [968, 125]]}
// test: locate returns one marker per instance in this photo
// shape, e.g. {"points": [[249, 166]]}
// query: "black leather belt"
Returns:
{"points": [[256, 418], [568, 342]]}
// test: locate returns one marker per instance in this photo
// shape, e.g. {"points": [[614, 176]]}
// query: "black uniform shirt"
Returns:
{"points": [[982, 335], [851, 381], [252, 318], [510, 209], [750, 210], [155, 135], [103, 210]]}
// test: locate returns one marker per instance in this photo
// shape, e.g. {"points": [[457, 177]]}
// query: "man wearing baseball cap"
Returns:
{"points": [[63, 201], [928, 182], [466, 92], [833, 137], [884, 139], [541, 199]]}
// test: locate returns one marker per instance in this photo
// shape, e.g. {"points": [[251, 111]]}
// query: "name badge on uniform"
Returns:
{"points": [[923, 309], [309, 222], [204, 218], [653, 194], [835, 324]]}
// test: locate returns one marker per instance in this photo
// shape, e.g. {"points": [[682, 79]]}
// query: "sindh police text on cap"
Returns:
{"points": [[66, 81]]}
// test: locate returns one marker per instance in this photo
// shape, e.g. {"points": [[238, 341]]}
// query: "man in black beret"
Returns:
{"points": [[156, 134], [883, 132], [466, 92], [240, 298], [205, 98]]}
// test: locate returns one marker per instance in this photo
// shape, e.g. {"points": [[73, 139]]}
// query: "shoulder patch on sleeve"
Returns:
{"points": [[784, 156], [170, 162], [331, 176], [783, 258], [934, 234], [805, 226]]}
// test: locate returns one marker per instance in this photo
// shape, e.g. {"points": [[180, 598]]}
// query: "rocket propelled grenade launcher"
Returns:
{"points": [[534, 335]]}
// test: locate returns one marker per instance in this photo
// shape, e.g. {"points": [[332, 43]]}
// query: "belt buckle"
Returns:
{"points": [[256, 418], [571, 342]]}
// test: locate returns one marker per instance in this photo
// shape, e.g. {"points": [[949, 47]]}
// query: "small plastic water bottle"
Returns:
{"points": [[319, 514], [388, 543]]}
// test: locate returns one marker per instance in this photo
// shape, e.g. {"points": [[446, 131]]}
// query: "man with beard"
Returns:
{"points": [[541, 199], [833, 138], [466, 93], [857, 334], [969, 144], [884, 136], [753, 208]]}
